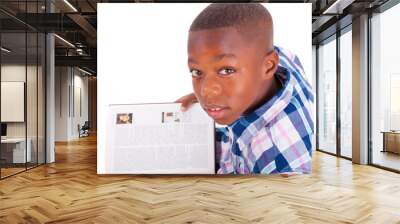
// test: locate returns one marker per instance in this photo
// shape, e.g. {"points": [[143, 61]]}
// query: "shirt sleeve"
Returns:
{"points": [[223, 155]]}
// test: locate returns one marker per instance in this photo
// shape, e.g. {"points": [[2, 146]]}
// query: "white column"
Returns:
{"points": [[50, 93], [360, 90], [50, 100]]}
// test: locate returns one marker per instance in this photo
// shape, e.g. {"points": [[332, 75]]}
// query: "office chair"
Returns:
{"points": [[84, 130]]}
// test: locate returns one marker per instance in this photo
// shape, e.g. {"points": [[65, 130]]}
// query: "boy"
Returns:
{"points": [[241, 80]]}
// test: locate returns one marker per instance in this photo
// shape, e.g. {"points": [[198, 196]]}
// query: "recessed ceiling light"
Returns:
{"points": [[70, 5], [5, 50], [84, 71], [338, 6], [64, 40]]}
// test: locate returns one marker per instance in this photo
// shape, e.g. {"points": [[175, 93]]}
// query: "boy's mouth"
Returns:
{"points": [[215, 112]]}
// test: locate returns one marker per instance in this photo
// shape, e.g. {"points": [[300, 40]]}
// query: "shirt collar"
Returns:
{"points": [[270, 109]]}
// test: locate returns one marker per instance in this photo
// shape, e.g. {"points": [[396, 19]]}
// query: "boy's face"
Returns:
{"points": [[227, 73]]}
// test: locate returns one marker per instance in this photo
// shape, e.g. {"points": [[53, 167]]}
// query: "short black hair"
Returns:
{"points": [[218, 15], [250, 19]]}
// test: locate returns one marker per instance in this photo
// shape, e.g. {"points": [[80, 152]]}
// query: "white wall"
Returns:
{"points": [[15, 72], [79, 117], [61, 103], [67, 114]]}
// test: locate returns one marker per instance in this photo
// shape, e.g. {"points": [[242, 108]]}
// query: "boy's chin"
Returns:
{"points": [[224, 121]]}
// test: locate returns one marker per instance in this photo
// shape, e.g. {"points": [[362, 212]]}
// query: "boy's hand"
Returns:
{"points": [[187, 101]]}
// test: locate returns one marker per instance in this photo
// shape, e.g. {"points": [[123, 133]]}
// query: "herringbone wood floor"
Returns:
{"points": [[70, 191]]}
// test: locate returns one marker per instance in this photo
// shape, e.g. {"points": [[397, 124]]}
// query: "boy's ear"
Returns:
{"points": [[271, 61]]}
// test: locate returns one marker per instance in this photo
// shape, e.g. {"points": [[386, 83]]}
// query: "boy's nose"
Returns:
{"points": [[210, 88]]}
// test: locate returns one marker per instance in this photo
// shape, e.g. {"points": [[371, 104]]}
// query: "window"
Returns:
{"points": [[327, 96], [346, 94], [385, 89]]}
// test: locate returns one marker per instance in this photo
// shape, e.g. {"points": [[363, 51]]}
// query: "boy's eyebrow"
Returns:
{"points": [[216, 58]]}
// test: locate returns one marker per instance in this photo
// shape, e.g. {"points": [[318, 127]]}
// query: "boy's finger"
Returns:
{"points": [[183, 108], [187, 103]]}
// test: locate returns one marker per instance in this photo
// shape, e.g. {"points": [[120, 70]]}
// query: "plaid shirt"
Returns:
{"points": [[276, 137]]}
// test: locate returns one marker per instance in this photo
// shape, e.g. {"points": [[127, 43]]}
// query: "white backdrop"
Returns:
{"points": [[142, 52]]}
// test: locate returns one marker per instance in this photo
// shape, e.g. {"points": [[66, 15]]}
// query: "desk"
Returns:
{"points": [[15, 148], [391, 141]]}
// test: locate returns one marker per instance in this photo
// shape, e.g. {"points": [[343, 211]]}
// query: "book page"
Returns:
{"points": [[159, 139]]}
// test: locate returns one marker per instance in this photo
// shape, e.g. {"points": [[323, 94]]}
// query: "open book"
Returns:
{"points": [[159, 139]]}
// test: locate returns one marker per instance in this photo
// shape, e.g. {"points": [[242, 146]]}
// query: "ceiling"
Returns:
{"points": [[76, 22]]}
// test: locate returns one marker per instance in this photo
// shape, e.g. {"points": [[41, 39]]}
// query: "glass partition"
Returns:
{"points": [[13, 107], [22, 67]]}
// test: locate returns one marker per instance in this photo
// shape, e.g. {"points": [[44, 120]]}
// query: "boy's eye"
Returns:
{"points": [[226, 71], [195, 72]]}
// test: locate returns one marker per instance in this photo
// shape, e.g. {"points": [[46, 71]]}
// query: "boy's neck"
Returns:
{"points": [[271, 91]]}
